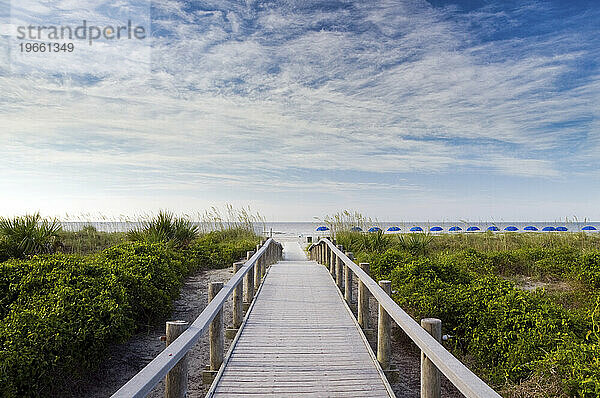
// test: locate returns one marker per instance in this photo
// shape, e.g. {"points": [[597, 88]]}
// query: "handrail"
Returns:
{"points": [[463, 379], [147, 378]]}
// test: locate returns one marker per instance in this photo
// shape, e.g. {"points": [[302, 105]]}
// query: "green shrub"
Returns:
{"points": [[62, 314], [58, 313], [578, 360], [503, 328], [588, 270], [88, 240], [220, 249]]}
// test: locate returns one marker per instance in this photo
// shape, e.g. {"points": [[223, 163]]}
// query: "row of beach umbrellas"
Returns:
{"points": [[510, 228]]}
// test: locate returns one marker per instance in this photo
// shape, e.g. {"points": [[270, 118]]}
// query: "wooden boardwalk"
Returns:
{"points": [[300, 340]]}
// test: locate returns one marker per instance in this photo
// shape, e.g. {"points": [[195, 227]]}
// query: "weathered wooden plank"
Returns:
{"points": [[300, 340]]}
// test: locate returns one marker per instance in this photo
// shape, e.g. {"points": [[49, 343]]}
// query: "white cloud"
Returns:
{"points": [[381, 87]]}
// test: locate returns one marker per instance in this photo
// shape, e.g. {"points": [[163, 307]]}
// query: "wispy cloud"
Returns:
{"points": [[238, 91]]}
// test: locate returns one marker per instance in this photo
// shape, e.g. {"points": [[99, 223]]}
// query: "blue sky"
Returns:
{"points": [[404, 110]]}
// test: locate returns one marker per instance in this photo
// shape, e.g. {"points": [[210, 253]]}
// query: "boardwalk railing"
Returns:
{"points": [[342, 267], [250, 274]]}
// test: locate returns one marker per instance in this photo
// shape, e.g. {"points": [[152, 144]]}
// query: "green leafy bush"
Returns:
{"points": [[509, 334], [503, 328], [62, 311], [59, 313], [88, 240]]}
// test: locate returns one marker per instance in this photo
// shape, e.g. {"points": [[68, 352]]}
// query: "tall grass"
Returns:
{"points": [[25, 236], [345, 220], [235, 222]]}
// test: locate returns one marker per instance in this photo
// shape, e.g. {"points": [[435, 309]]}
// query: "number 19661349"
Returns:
{"points": [[47, 47]]}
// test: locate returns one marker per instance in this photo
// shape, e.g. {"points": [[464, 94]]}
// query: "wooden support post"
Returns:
{"points": [[269, 255], [238, 308], [215, 330], [339, 273], [321, 252], [430, 375], [348, 280], [257, 276], [176, 382], [363, 299], [384, 331], [317, 253], [332, 264], [249, 282]]}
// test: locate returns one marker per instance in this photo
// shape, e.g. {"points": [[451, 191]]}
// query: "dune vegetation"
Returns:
{"points": [[523, 309], [65, 297]]}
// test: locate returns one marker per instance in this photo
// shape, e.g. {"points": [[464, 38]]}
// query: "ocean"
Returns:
{"points": [[305, 229]]}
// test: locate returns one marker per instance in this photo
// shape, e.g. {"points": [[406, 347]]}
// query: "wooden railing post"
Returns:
{"points": [[249, 281], [215, 331], [348, 280], [238, 301], [363, 299], [321, 252], [338, 273], [430, 375], [384, 330], [258, 268], [176, 382], [332, 264], [270, 254]]}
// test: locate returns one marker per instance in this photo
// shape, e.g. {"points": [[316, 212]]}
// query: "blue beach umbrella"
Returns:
{"points": [[416, 229], [455, 228], [493, 228], [436, 229], [356, 229], [393, 229], [322, 229], [530, 228], [562, 229], [548, 229], [471, 229], [589, 228], [374, 229], [511, 228]]}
